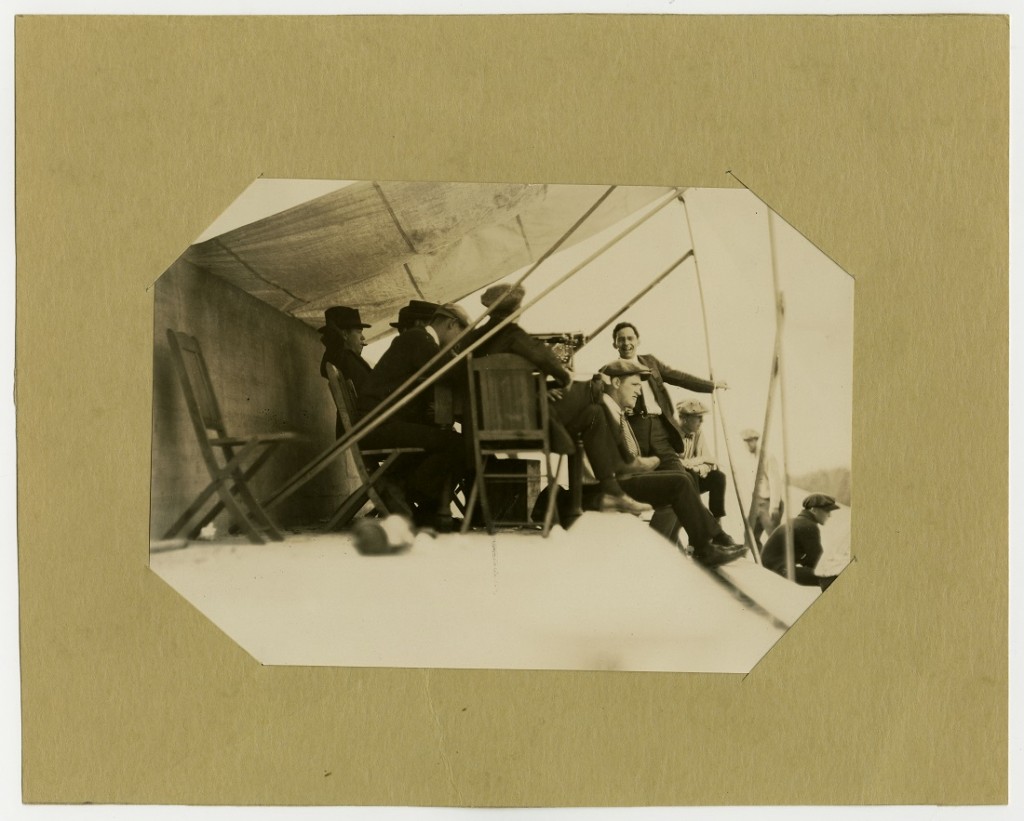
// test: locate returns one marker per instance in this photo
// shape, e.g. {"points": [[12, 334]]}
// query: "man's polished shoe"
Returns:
{"points": [[641, 464], [714, 555], [622, 504], [723, 539]]}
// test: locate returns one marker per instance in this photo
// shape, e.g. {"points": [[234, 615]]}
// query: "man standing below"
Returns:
{"points": [[764, 487], [702, 468], [652, 420], [673, 489], [428, 479], [343, 340], [807, 548]]}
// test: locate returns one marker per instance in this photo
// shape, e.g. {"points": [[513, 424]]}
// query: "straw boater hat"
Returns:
{"points": [[503, 298], [453, 311]]}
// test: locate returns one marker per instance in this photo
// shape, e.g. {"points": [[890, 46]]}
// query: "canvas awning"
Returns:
{"points": [[376, 245]]}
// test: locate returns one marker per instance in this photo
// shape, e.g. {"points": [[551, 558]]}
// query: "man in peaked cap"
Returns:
{"points": [[807, 550], [702, 468], [417, 313], [652, 419], [663, 489], [343, 340], [427, 478]]}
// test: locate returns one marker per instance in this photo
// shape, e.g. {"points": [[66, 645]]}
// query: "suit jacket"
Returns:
{"points": [[408, 352], [660, 375], [351, 365], [513, 339]]}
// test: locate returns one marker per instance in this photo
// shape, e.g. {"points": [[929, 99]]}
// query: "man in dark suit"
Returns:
{"points": [[343, 340], [807, 549], [653, 417], [664, 489], [417, 314], [427, 478]]}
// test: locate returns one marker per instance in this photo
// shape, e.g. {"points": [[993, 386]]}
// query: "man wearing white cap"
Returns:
{"points": [[701, 467], [762, 489]]}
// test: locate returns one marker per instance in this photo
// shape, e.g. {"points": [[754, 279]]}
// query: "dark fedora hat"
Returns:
{"points": [[341, 316]]}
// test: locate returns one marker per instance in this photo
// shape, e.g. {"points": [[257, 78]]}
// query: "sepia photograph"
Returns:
{"points": [[512, 426]]}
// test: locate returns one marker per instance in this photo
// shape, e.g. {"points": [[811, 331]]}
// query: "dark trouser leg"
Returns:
{"points": [[675, 490], [714, 485], [661, 445], [429, 475], [590, 422]]}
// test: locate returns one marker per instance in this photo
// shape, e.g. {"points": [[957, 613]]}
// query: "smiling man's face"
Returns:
{"points": [[626, 341]]}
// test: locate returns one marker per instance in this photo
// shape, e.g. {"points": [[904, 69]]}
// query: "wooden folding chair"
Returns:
{"points": [[369, 489], [509, 414], [229, 475]]}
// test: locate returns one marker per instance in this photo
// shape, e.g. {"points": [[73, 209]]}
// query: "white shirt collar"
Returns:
{"points": [[613, 406], [433, 334]]}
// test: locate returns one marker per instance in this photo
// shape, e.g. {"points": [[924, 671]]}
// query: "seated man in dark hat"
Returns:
{"points": [[427, 479], [662, 488], [417, 314], [343, 340], [807, 550]]}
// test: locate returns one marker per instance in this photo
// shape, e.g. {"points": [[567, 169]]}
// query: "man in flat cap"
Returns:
{"points": [[417, 314], [428, 479], [343, 340], [701, 467], [807, 550], [761, 483], [672, 489], [652, 419]]}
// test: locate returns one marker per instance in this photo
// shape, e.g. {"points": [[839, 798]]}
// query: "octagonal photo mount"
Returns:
{"points": [[333, 521]]}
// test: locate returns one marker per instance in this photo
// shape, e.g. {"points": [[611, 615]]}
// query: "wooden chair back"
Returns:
{"points": [[508, 401]]}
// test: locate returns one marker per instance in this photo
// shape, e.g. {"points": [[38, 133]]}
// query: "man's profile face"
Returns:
{"points": [[820, 514], [448, 330], [690, 423], [354, 339], [751, 444], [625, 390], [626, 341]]}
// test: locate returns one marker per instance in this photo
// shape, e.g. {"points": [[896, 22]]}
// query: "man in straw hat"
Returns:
{"points": [[427, 478], [622, 380], [807, 549]]}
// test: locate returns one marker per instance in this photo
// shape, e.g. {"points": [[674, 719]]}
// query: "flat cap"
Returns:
{"points": [[820, 500], [691, 407], [625, 367], [503, 298], [749, 433], [453, 311]]}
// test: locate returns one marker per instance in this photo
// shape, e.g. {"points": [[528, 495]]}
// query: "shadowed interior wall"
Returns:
{"points": [[264, 366]]}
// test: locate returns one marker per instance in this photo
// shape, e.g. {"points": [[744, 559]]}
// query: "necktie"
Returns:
{"points": [[627, 432]]}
